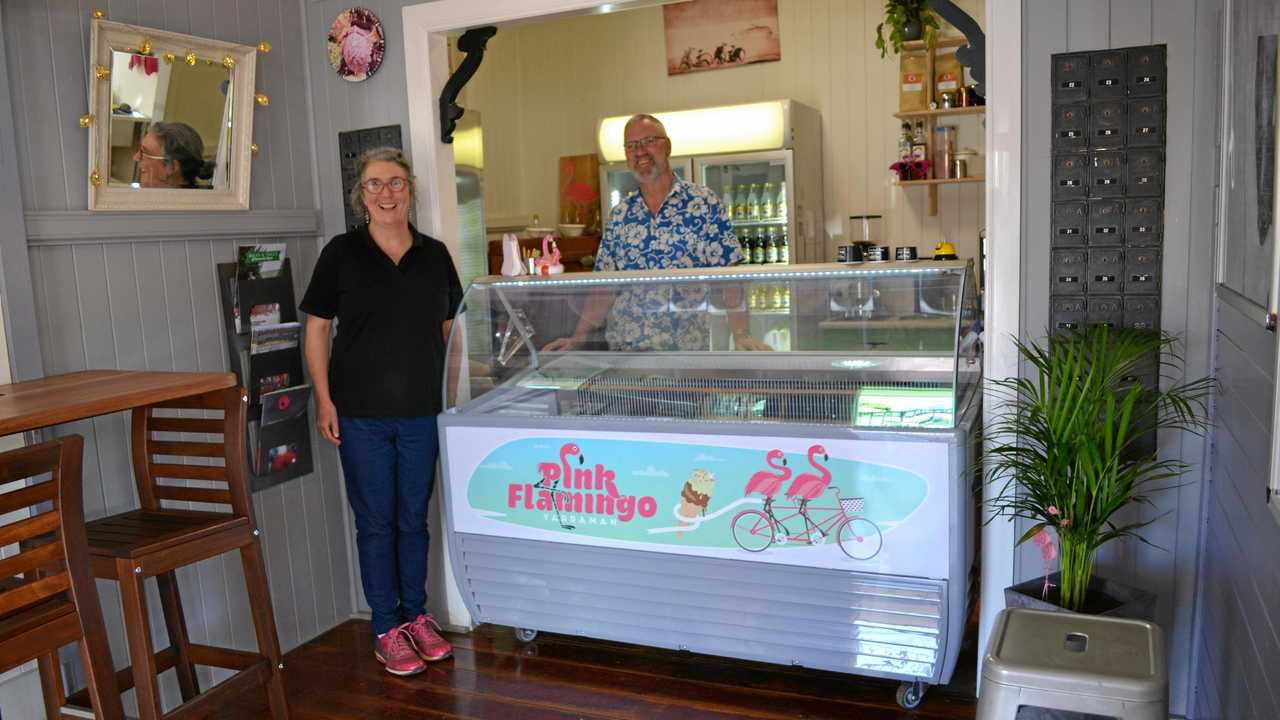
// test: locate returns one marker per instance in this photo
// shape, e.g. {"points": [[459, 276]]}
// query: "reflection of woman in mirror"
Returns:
{"points": [[171, 155], [394, 293]]}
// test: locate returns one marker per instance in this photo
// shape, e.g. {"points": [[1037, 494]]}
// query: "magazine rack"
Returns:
{"points": [[279, 442]]}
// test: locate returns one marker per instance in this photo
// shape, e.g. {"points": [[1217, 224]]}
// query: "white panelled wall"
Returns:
{"points": [[544, 85]]}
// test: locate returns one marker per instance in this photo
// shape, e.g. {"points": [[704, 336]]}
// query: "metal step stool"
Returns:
{"points": [[1102, 666]]}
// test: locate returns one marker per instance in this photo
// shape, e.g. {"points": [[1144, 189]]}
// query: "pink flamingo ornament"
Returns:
{"points": [[549, 263], [808, 486], [552, 474], [769, 483]]}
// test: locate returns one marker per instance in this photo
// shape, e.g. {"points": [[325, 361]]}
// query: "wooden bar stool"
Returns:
{"points": [[155, 540], [55, 601]]}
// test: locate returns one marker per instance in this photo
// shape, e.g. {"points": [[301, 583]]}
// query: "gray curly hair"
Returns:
{"points": [[379, 154]]}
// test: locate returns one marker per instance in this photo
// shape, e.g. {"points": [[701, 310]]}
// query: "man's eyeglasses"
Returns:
{"points": [[374, 185], [642, 143]]}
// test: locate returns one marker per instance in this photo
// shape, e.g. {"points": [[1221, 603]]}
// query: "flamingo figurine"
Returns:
{"points": [[769, 483], [808, 486], [552, 473]]}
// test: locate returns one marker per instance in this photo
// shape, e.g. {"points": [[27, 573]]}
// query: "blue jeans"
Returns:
{"points": [[390, 466]]}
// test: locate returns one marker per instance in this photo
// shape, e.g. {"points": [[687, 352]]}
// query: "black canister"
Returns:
{"points": [[849, 254], [878, 253], [906, 252]]}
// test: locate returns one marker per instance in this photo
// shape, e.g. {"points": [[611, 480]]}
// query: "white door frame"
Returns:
{"points": [[427, 70]]}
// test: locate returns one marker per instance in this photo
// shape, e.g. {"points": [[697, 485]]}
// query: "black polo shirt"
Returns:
{"points": [[388, 356]]}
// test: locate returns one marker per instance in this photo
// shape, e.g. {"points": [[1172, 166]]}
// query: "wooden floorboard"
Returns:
{"points": [[492, 676]]}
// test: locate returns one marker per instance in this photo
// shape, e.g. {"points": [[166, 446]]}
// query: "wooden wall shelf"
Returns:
{"points": [[942, 181], [941, 112]]}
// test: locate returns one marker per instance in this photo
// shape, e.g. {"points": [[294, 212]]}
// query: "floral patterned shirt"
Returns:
{"points": [[691, 229]]}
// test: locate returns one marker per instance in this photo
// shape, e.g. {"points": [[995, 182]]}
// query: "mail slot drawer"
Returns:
{"points": [[1107, 75], [1144, 173], [1067, 312], [1107, 123], [1070, 223], [1146, 122], [1106, 222], [1143, 222], [1066, 271], [1105, 310], [1106, 174], [1106, 271], [1071, 128], [1146, 71], [1070, 77], [1142, 312], [1142, 271], [1069, 176]]}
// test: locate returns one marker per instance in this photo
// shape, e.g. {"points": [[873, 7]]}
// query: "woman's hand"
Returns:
{"points": [[327, 422]]}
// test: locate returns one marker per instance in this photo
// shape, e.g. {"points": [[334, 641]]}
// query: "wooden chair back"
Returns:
{"points": [[50, 535], [163, 448]]}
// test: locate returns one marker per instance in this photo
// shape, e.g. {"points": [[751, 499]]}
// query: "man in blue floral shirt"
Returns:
{"points": [[667, 223]]}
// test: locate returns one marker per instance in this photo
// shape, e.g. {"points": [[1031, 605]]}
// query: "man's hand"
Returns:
{"points": [[564, 344], [327, 422], [743, 341]]}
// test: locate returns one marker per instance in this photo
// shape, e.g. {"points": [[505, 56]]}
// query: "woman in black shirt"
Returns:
{"points": [[394, 293]]}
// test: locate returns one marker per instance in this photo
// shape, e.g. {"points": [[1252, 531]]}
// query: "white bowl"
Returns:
{"points": [[571, 230], [539, 231]]}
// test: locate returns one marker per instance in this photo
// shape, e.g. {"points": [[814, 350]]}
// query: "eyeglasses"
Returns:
{"points": [[374, 185], [642, 143], [149, 156]]}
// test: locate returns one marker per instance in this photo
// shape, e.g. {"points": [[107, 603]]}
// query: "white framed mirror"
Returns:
{"points": [[171, 120]]}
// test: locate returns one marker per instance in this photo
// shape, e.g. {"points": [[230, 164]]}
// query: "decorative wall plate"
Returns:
{"points": [[356, 44]]}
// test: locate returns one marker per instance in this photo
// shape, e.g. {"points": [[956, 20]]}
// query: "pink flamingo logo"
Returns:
{"points": [[552, 473], [808, 486], [769, 483]]}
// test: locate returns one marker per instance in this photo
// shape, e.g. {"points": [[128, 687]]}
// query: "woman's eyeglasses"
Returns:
{"points": [[374, 185], [642, 143]]}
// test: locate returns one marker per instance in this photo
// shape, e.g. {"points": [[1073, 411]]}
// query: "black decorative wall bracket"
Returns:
{"points": [[472, 43], [973, 56]]}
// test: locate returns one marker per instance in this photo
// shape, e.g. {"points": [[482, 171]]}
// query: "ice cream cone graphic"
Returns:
{"points": [[695, 497]]}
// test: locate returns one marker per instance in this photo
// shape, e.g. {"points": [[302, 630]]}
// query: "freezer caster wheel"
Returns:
{"points": [[525, 634], [911, 694]]}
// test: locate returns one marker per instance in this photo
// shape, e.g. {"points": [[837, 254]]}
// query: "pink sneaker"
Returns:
{"points": [[395, 650], [425, 636]]}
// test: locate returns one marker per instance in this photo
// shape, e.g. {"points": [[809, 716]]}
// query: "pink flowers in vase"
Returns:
{"points": [[911, 169]]}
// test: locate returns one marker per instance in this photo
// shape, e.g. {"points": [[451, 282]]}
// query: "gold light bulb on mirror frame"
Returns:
{"points": [[264, 47], [262, 99], [145, 49], [102, 72], [86, 120], [97, 14], [190, 58], [228, 62], [169, 58], [95, 179], [253, 149]]}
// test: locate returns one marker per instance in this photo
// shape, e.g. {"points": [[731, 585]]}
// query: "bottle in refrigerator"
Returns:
{"points": [[726, 197], [770, 247], [780, 205], [758, 250], [740, 203], [784, 250], [766, 202]]}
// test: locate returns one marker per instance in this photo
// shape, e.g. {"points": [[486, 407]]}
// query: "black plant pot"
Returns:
{"points": [[913, 30], [1105, 597]]}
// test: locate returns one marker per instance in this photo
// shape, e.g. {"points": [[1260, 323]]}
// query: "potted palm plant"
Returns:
{"points": [[1071, 448], [907, 20]]}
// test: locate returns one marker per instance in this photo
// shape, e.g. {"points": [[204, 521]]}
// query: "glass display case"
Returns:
{"points": [[800, 434]]}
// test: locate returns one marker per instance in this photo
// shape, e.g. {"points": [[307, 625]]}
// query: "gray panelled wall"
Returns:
{"points": [[1236, 639], [138, 290], [1189, 29]]}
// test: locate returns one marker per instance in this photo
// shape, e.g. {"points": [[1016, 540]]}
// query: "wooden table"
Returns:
{"points": [[59, 399]]}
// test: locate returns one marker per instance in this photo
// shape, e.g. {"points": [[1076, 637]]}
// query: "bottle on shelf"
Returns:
{"points": [[770, 246], [758, 250], [753, 202], [766, 202], [726, 197], [905, 142], [740, 203], [784, 251], [919, 144], [775, 297], [780, 205]]}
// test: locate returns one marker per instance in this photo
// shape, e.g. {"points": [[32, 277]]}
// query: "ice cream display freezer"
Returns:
{"points": [[651, 483]]}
